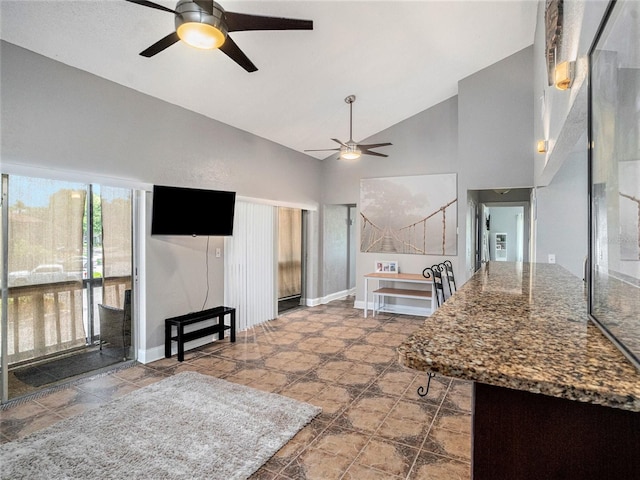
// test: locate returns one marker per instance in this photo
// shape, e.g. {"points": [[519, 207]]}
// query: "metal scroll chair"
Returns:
{"points": [[438, 286], [434, 274], [115, 326], [451, 281]]}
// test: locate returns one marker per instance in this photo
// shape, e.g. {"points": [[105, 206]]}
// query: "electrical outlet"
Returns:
{"points": [[218, 253], [552, 258]]}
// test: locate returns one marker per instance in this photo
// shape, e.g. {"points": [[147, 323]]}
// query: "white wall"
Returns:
{"points": [[66, 120]]}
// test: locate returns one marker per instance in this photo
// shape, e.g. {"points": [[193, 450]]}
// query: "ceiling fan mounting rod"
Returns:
{"points": [[350, 99]]}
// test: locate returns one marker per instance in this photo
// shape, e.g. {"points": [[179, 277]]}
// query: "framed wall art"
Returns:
{"points": [[414, 214]]}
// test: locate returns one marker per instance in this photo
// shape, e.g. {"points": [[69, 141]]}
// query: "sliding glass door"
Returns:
{"points": [[67, 250]]}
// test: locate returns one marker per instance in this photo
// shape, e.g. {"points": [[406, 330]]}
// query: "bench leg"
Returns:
{"points": [[167, 340], [180, 343], [233, 325], [221, 326]]}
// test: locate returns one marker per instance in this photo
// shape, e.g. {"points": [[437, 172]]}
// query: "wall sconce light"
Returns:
{"points": [[564, 75], [542, 146]]}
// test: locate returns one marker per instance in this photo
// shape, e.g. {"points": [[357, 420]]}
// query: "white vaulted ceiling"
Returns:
{"points": [[398, 58]]}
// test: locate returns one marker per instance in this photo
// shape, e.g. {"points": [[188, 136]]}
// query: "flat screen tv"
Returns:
{"points": [[192, 211]]}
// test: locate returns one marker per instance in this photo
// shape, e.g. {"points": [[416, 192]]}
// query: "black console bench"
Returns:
{"points": [[190, 318]]}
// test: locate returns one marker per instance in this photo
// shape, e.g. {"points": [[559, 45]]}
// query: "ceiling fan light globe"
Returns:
{"points": [[201, 35], [350, 153], [198, 28]]}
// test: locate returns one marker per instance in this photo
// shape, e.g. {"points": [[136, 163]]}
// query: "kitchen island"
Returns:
{"points": [[553, 397]]}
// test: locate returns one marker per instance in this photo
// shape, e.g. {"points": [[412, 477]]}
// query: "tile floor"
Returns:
{"points": [[373, 425]]}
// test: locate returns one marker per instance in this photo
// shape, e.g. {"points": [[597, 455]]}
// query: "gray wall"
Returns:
{"points": [[496, 130], [562, 216], [63, 119], [496, 124]]}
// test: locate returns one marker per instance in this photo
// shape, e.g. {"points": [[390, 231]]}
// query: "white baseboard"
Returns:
{"points": [[401, 309], [313, 302], [157, 353], [335, 296]]}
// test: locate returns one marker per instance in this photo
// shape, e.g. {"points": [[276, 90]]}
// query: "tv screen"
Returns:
{"points": [[192, 211]]}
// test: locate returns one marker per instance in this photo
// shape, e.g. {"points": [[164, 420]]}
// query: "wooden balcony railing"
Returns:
{"points": [[46, 319]]}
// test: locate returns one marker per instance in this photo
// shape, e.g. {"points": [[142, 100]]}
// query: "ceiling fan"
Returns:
{"points": [[352, 150], [205, 24]]}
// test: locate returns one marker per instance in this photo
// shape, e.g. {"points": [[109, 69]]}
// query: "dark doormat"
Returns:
{"points": [[68, 367], [288, 303]]}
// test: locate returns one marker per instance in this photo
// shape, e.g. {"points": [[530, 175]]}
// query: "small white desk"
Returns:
{"points": [[381, 292]]}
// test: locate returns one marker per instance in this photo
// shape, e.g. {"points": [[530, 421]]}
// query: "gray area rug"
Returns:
{"points": [[189, 426]]}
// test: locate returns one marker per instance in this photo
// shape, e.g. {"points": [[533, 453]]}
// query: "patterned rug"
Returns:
{"points": [[188, 426]]}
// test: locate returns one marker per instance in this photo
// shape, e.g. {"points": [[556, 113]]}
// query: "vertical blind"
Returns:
{"points": [[249, 266]]}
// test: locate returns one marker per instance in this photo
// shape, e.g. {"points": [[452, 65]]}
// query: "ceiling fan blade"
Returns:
{"points": [[232, 50], [160, 45], [145, 3], [242, 22], [324, 150], [206, 5], [374, 145], [375, 154], [338, 141]]}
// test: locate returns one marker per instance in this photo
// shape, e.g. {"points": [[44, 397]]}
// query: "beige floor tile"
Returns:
{"points": [[322, 345], [344, 333], [342, 442], [407, 422], [19, 429], [386, 339], [293, 361], [389, 457], [453, 421], [455, 445], [370, 353], [429, 466], [360, 472], [314, 464]]}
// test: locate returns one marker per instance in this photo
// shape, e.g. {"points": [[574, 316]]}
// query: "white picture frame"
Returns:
{"points": [[386, 266]]}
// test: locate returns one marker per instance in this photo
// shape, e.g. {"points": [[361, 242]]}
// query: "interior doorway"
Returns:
{"points": [[502, 221], [339, 251], [503, 233]]}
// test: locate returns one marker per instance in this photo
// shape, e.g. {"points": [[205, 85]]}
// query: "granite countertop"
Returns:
{"points": [[525, 327]]}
